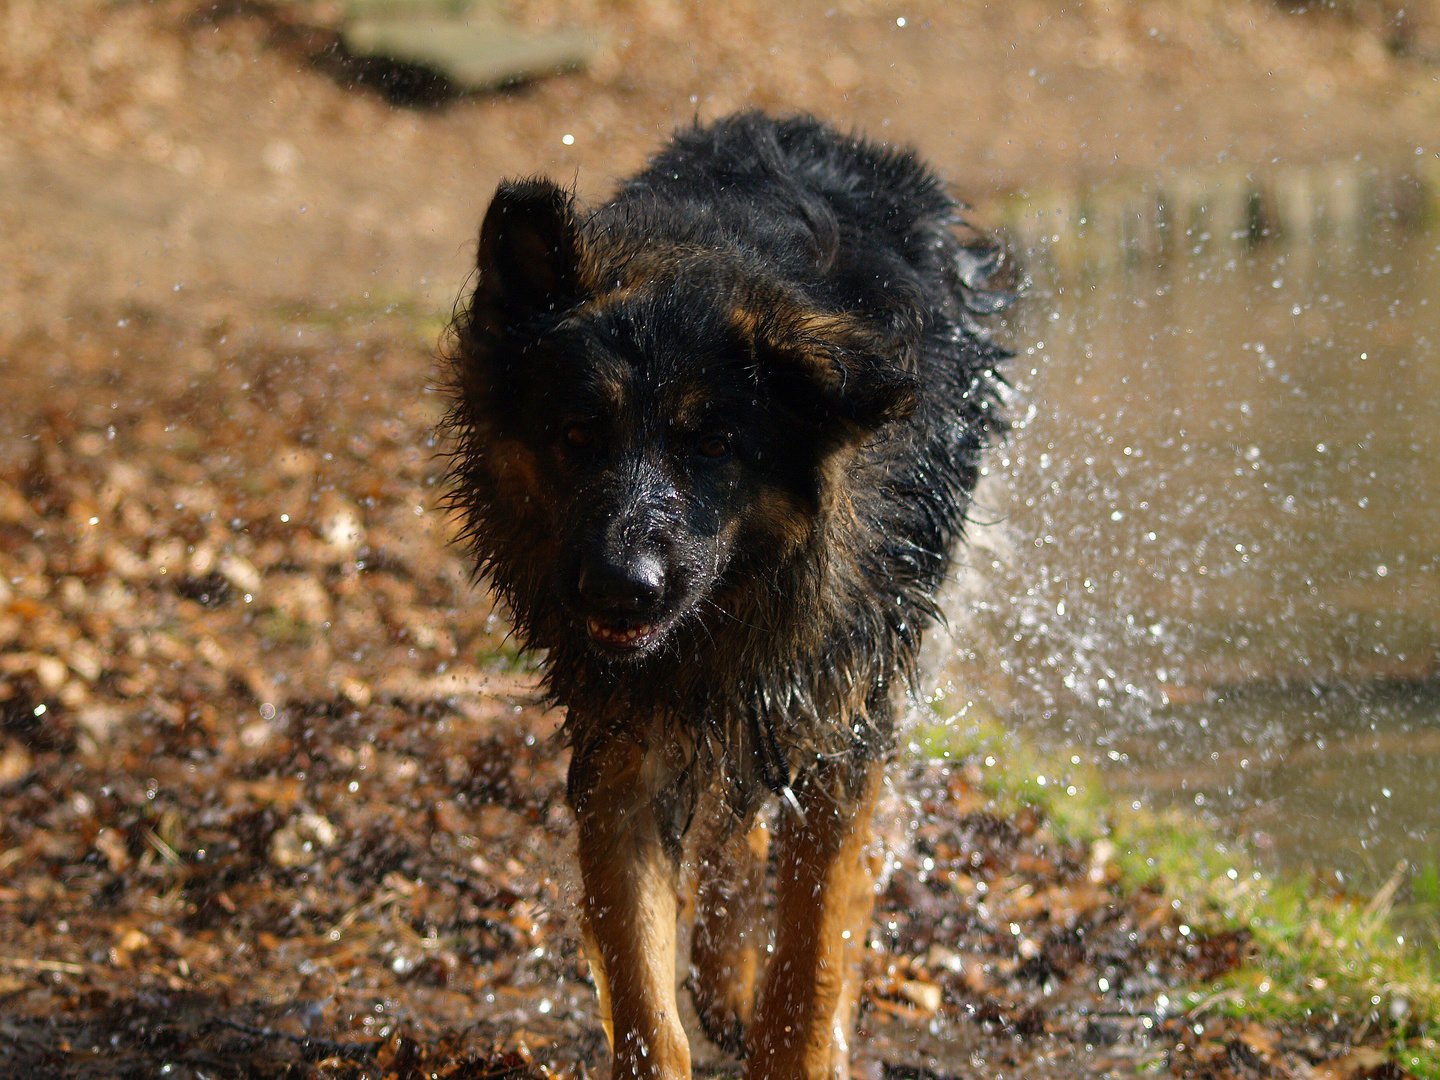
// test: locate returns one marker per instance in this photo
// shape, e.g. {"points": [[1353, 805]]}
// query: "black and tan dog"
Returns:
{"points": [[714, 441]]}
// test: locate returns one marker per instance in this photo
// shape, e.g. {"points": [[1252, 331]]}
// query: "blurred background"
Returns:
{"points": [[240, 149], [1206, 564]]}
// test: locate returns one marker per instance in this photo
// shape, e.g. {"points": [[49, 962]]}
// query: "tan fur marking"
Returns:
{"points": [[725, 952], [602, 984], [619, 265], [630, 908], [606, 299], [747, 323], [835, 327], [775, 513], [690, 409], [825, 888], [515, 470], [792, 331], [656, 262]]}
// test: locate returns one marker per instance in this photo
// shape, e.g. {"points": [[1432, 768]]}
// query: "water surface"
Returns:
{"points": [[1215, 564]]}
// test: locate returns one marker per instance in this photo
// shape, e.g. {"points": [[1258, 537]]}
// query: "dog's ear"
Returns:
{"points": [[872, 394], [529, 251], [843, 375]]}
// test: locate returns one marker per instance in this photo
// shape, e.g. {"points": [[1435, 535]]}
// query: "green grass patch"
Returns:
{"points": [[505, 656], [427, 321], [280, 630], [1426, 886], [1316, 954]]}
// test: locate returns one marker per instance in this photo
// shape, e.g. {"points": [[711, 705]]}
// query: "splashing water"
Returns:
{"points": [[1211, 562]]}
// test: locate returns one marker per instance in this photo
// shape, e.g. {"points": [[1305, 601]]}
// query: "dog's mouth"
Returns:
{"points": [[625, 637]]}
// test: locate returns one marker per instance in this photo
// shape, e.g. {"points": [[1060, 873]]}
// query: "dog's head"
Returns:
{"points": [[641, 421]]}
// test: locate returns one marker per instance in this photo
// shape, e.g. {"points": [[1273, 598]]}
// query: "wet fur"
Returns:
{"points": [[800, 300]]}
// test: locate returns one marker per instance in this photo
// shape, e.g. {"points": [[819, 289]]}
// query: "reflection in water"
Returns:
{"points": [[1221, 516]]}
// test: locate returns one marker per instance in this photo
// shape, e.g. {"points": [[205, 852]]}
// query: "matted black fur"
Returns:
{"points": [[714, 441]]}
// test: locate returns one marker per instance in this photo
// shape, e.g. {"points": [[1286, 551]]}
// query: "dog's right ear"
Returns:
{"points": [[529, 252]]}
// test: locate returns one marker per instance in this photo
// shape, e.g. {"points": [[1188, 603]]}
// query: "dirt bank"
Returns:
{"points": [[149, 146]]}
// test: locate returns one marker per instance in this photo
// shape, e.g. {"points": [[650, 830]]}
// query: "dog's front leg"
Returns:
{"points": [[728, 946], [629, 864], [825, 891]]}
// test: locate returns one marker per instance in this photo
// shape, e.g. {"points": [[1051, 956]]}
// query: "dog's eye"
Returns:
{"points": [[578, 435], [713, 446]]}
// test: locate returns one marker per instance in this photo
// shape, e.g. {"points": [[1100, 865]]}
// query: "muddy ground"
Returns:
{"points": [[277, 797]]}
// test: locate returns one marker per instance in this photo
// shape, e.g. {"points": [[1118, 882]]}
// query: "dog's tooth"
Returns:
{"points": [[619, 635]]}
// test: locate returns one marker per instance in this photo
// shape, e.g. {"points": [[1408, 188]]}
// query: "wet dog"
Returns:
{"points": [[714, 442]]}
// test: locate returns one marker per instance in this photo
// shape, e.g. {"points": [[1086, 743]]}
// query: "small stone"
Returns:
{"points": [[112, 845], [124, 563], [14, 509], [448, 818], [241, 573], [943, 959], [85, 660], [15, 763], [340, 526], [295, 464], [299, 596], [167, 557], [90, 444], [1101, 853], [132, 940], [256, 733], [202, 560], [49, 671], [356, 692], [72, 594], [923, 995], [299, 840], [73, 694], [100, 720]]}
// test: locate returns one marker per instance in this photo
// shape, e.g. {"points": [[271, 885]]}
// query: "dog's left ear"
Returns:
{"points": [[842, 374], [529, 251], [872, 394]]}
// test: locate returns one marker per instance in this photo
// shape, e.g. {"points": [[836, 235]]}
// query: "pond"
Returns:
{"points": [[1209, 556]]}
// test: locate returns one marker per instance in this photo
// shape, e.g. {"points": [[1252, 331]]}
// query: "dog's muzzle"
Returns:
{"points": [[624, 597]]}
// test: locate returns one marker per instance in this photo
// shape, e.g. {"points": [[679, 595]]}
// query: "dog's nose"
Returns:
{"points": [[631, 585]]}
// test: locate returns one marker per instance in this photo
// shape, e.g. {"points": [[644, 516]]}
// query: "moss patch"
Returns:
{"points": [[1315, 956]]}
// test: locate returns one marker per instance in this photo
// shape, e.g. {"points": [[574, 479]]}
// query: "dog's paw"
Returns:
{"points": [[722, 1026]]}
